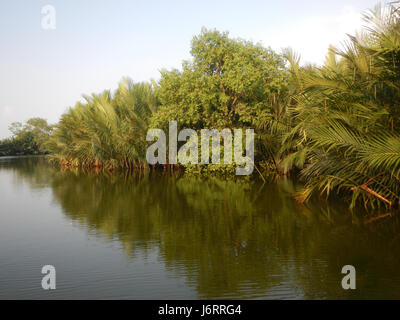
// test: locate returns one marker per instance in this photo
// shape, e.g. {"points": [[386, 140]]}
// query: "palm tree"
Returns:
{"points": [[345, 117], [108, 130]]}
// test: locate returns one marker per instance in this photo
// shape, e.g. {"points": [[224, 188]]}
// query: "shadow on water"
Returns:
{"points": [[229, 239]]}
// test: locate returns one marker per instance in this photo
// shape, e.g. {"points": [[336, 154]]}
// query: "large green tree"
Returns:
{"points": [[229, 82]]}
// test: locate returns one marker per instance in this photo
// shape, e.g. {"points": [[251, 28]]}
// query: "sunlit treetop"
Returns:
{"points": [[227, 83]]}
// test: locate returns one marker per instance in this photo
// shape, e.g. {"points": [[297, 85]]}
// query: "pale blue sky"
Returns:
{"points": [[97, 42]]}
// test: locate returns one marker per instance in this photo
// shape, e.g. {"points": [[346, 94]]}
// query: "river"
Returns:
{"points": [[155, 236]]}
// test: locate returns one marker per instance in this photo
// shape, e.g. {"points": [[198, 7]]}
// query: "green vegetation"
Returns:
{"points": [[228, 84], [28, 139], [108, 131], [342, 125], [335, 127]]}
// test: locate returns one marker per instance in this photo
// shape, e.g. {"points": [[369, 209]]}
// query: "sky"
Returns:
{"points": [[95, 43]]}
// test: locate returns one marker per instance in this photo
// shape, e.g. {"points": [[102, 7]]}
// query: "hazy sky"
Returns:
{"points": [[97, 42]]}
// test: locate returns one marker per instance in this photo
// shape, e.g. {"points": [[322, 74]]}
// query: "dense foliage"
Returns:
{"points": [[228, 84], [107, 131], [343, 121], [335, 127], [28, 139]]}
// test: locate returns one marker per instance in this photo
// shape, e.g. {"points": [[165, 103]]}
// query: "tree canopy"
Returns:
{"points": [[228, 83], [30, 138]]}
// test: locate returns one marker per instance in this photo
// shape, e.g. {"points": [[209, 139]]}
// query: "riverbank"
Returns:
{"points": [[335, 127]]}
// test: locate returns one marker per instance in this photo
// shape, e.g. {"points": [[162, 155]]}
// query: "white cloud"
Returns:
{"points": [[312, 36]]}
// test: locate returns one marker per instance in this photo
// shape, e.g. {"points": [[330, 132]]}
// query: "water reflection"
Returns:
{"points": [[229, 239]]}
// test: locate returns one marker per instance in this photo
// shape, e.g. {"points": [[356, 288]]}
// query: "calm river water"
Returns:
{"points": [[163, 237]]}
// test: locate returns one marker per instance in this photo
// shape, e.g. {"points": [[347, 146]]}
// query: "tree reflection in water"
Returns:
{"points": [[235, 239]]}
